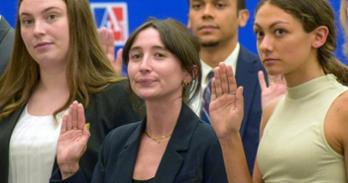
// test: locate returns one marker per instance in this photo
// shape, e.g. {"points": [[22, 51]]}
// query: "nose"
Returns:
{"points": [[39, 28], [208, 11], [145, 64], [265, 45]]}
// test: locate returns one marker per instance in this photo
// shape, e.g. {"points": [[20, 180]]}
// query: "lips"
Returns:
{"points": [[207, 28], [269, 61], [42, 45], [144, 82]]}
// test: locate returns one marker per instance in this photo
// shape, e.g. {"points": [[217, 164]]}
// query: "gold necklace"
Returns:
{"points": [[159, 139]]}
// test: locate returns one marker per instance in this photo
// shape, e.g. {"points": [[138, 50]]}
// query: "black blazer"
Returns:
{"points": [[248, 65], [193, 154], [107, 110], [6, 43]]}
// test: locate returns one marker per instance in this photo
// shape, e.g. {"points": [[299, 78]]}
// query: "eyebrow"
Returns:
{"points": [[273, 24], [44, 11], [136, 48]]}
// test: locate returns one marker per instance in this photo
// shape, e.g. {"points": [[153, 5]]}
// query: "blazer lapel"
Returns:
{"points": [[127, 157], [178, 144], [6, 129], [246, 76]]}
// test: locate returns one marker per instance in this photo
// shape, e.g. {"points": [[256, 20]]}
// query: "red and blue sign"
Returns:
{"points": [[113, 16]]}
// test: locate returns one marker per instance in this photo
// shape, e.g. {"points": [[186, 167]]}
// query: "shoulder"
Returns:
{"points": [[118, 87], [247, 54], [120, 134], [336, 123], [204, 134]]}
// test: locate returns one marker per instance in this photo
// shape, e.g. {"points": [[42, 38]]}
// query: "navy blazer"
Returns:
{"points": [[107, 110], [6, 43], [248, 65], [193, 154]]}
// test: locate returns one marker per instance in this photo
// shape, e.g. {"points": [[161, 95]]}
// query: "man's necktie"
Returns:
{"points": [[204, 114]]}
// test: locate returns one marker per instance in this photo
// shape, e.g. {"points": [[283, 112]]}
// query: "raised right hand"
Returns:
{"points": [[72, 141]]}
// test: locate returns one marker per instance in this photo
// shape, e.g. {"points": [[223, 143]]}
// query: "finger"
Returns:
{"points": [[232, 84], [213, 89], [262, 80], [223, 76], [240, 100], [74, 115], [110, 37], [81, 117], [218, 89], [102, 34], [64, 124], [119, 62], [68, 125]]}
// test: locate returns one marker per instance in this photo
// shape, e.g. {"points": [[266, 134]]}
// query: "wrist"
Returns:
{"points": [[67, 170]]}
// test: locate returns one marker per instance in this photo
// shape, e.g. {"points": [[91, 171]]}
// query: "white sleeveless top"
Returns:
{"points": [[293, 148], [33, 148]]}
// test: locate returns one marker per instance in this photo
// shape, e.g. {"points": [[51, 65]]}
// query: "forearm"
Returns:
{"points": [[234, 159]]}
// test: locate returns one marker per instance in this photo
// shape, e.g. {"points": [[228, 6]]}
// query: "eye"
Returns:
{"points": [[280, 32], [196, 6], [220, 5], [27, 22], [135, 56], [51, 17], [159, 55], [259, 34]]}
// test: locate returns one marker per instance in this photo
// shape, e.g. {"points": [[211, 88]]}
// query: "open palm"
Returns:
{"points": [[226, 106], [72, 141]]}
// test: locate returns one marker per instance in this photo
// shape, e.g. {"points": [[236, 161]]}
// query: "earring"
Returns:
{"points": [[185, 83]]}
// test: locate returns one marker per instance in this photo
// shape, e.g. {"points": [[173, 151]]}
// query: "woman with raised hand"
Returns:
{"points": [[171, 144], [303, 134], [56, 59]]}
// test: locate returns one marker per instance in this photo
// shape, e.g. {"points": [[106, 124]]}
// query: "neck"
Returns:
{"points": [[161, 117], [304, 73], [213, 55], [53, 80]]}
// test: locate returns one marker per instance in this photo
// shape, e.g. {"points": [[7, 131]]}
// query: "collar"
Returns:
{"points": [[230, 60]]}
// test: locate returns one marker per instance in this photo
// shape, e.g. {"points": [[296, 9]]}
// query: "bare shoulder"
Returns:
{"points": [[340, 106], [267, 111], [336, 124]]}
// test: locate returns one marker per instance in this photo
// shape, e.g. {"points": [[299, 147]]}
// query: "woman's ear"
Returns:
{"points": [[320, 36]]}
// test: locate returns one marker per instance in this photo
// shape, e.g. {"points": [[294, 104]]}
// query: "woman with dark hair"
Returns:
{"points": [[171, 144], [303, 134], [56, 59]]}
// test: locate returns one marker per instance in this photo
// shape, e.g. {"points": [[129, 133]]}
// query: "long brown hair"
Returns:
{"points": [[313, 14], [88, 70]]}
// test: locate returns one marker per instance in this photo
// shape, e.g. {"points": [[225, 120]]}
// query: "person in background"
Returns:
{"points": [[216, 23], [171, 144], [56, 60], [303, 134], [6, 43]]}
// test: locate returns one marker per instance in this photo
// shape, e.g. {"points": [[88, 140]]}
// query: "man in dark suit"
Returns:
{"points": [[216, 24], [6, 43]]}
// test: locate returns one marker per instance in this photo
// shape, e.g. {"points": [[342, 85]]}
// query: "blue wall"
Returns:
{"points": [[140, 10]]}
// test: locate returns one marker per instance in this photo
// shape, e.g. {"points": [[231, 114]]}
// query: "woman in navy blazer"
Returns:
{"points": [[171, 144]]}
